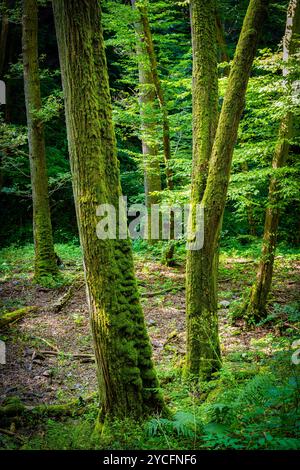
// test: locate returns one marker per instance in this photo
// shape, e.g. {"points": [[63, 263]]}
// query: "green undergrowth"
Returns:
{"points": [[17, 263], [252, 405]]}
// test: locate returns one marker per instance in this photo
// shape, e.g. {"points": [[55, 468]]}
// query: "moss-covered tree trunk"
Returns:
{"points": [[201, 288], [127, 379], [45, 262], [203, 351], [255, 307]]}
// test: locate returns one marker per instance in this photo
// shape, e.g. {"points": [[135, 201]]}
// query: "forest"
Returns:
{"points": [[149, 225]]}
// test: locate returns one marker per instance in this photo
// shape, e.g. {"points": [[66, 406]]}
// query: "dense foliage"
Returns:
{"points": [[171, 32]]}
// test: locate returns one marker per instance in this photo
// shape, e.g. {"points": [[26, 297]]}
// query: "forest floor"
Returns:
{"points": [[49, 352]]}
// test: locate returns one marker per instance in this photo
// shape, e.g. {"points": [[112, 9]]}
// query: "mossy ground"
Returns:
{"points": [[253, 403]]}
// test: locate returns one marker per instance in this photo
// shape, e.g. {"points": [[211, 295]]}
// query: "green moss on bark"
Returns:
{"points": [[127, 380], [203, 350], [45, 262], [11, 317], [254, 308], [211, 174]]}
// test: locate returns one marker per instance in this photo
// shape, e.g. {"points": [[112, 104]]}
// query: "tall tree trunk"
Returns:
{"points": [[255, 307], [250, 217], [3, 36], [3, 44], [147, 100], [222, 47], [145, 30], [45, 262], [203, 351], [205, 118], [149, 46], [126, 376]]}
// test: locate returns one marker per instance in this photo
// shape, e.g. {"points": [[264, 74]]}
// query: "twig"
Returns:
{"points": [[245, 261], [291, 326], [51, 345], [74, 356], [12, 434]]}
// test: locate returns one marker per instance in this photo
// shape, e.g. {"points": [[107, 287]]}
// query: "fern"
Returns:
{"points": [[257, 390], [183, 424]]}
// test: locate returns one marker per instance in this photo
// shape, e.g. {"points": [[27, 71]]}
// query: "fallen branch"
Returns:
{"points": [[16, 315], [245, 261], [12, 434], [72, 356], [14, 407], [291, 326], [48, 343], [67, 296], [163, 291]]}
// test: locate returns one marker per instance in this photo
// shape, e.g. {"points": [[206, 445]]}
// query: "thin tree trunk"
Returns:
{"points": [[203, 351], [3, 45], [255, 308], [45, 262], [251, 222], [126, 376], [223, 53], [205, 118], [147, 35], [3, 37], [147, 99], [168, 255]]}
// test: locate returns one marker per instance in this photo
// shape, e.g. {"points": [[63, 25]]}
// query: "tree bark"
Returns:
{"points": [[45, 262], [255, 308], [126, 376], [203, 351]]}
